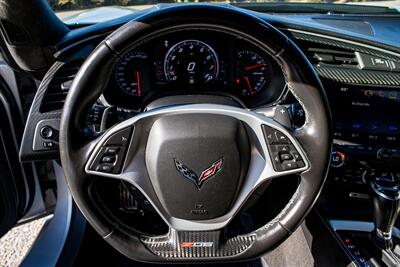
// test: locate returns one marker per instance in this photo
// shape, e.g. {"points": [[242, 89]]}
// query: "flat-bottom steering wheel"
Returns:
{"points": [[235, 148]]}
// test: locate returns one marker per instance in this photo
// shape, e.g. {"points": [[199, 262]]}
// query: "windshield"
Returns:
{"points": [[93, 11]]}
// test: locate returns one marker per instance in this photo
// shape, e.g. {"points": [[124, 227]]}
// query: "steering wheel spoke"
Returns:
{"points": [[125, 152]]}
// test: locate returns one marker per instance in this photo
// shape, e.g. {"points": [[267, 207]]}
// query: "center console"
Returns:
{"points": [[366, 129], [357, 200], [366, 126]]}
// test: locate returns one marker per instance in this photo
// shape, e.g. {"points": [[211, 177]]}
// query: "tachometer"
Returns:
{"points": [[129, 72], [191, 62], [251, 72]]}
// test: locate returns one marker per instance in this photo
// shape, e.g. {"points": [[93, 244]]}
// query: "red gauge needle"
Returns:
{"points": [[139, 92], [254, 66], [248, 84]]}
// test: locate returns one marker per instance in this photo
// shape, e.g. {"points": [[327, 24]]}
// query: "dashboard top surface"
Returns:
{"points": [[379, 31]]}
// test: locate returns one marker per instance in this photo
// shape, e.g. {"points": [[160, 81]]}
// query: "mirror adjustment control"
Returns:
{"points": [[46, 132], [284, 155]]}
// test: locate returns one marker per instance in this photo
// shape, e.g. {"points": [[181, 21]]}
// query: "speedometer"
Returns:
{"points": [[191, 62]]}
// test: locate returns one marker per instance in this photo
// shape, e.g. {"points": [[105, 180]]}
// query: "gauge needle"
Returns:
{"points": [[254, 66], [248, 84], [139, 92]]}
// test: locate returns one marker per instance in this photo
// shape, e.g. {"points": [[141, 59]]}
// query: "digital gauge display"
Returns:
{"points": [[130, 73], [251, 72], [191, 62]]}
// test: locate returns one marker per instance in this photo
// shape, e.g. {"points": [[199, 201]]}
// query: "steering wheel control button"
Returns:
{"points": [[119, 138], [104, 168], [283, 153], [337, 159], [289, 165], [111, 157], [108, 159], [282, 139], [111, 150], [286, 157], [46, 132], [296, 156], [271, 135]]}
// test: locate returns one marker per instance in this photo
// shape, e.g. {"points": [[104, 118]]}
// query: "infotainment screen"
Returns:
{"points": [[369, 114]]}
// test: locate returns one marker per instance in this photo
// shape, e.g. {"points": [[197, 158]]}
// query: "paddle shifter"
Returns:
{"points": [[386, 203]]}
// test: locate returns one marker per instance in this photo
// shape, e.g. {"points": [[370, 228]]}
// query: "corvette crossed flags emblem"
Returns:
{"points": [[204, 176]]}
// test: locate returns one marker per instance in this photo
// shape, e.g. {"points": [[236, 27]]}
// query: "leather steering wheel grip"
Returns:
{"points": [[315, 136]]}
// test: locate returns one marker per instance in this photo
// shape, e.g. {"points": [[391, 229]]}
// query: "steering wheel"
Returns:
{"points": [[197, 164]]}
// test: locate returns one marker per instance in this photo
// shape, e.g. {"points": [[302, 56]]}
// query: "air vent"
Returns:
{"points": [[323, 55], [13, 34], [58, 87]]}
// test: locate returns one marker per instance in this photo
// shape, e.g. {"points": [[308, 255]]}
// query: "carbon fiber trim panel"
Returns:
{"points": [[338, 44], [35, 116], [362, 77], [192, 245], [348, 75]]}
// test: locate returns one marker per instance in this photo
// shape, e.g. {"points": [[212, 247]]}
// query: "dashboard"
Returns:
{"points": [[364, 98], [195, 61]]}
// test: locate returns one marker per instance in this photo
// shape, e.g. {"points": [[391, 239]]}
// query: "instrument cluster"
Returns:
{"points": [[195, 62]]}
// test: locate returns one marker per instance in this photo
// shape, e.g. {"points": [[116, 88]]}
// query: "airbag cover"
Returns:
{"points": [[196, 163]]}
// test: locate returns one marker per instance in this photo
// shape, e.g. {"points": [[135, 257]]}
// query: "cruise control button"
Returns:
{"points": [[104, 168], [111, 150], [108, 159], [120, 138]]}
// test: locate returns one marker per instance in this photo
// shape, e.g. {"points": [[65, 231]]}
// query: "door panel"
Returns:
{"points": [[16, 183]]}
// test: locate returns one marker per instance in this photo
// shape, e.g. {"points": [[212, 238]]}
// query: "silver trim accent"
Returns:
{"points": [[384, 235], [380, 191], [360, 61], [260, 168]]}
